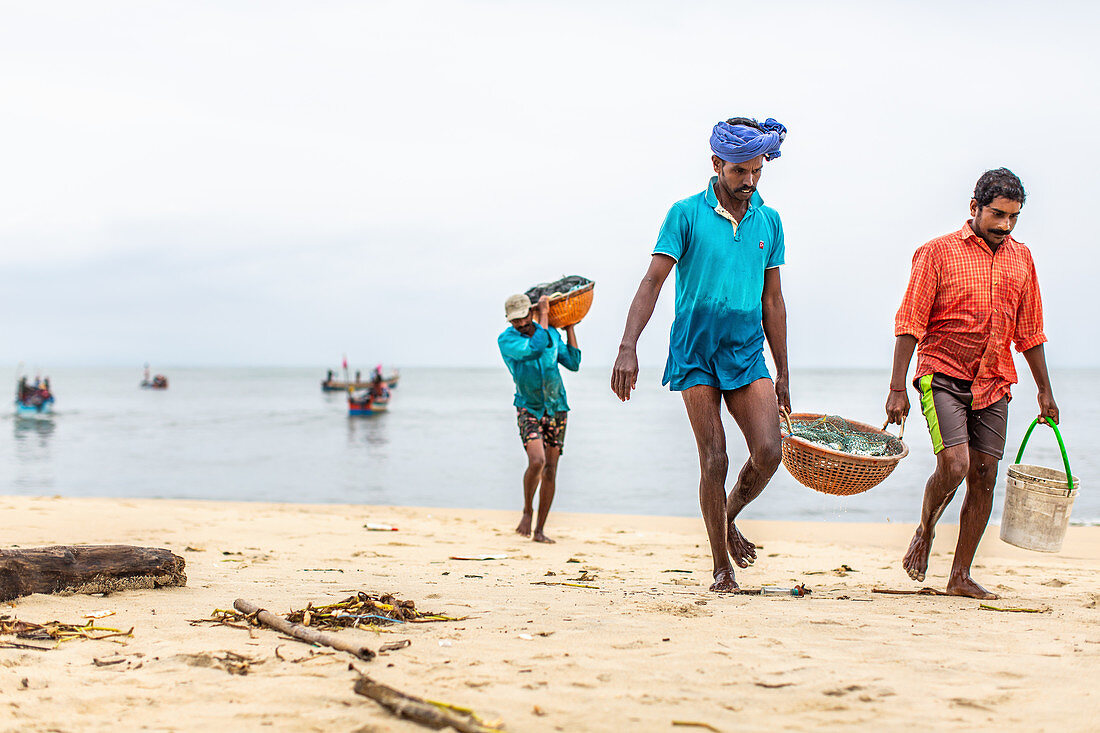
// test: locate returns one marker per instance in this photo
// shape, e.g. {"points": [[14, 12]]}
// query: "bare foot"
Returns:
{"points": [[524, 527], [540, 537], [965, 586], [724, 582], [741, 550], [915, 561]]}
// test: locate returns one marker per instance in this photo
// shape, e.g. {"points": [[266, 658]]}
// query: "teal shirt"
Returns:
{"points": [[533, 363], [718, 335]]}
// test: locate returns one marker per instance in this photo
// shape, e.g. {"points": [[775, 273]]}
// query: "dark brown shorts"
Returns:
{"points": [[549, 428], [946, 404]]}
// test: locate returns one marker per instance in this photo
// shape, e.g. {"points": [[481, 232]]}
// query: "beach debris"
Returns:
{"points": [[231, 662], [921, 592], [97, 614], [696, 724], [361, 609], [566, 583], [87, 569], [842, 571], [392, 646], [379, 527], [108, 661], [430, 713], [987, 607], [479, 557], [799, 591], [57, 632], [584, 577], [301, 632], [677, 571]]}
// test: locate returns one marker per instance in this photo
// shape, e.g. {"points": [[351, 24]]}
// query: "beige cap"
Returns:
{"points": [[517, 306]]}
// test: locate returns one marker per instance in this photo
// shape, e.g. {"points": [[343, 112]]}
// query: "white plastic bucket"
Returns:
{"points": [[1038, 502]]}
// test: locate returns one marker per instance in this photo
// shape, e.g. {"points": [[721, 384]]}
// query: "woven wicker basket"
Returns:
{"points": [[831, 471], [569, 308]]}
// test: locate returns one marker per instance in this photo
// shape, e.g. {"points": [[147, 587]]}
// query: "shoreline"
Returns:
{"points": [[648, 644]]}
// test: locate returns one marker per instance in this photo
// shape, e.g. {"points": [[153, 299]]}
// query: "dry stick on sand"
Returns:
{"points": [[921, 592], [985, 607], [431, 714], [302, 633]]}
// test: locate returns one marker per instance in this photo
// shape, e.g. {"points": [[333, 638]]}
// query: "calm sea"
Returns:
{"points": [[450, 440]]}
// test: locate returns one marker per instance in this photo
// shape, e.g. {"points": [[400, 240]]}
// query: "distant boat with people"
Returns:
{"points": [[331, 384], [34, 401], [158, 381], [371, 397], [363, 402]]}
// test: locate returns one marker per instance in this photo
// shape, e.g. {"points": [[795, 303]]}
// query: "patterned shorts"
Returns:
{"points": [[549, 428]]}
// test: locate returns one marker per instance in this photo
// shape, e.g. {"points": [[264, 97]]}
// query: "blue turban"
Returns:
{"points": [[738, 143]]}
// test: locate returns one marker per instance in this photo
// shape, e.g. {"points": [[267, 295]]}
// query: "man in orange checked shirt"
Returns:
{"points": [[971, 294]]}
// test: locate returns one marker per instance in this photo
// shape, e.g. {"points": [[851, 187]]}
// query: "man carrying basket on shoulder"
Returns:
{"points": [[971, 294], [532, 352], [726, 246]]}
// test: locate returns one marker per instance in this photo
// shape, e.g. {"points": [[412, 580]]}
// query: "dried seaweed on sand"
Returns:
{"points": [[359, 610], [57, 632]]}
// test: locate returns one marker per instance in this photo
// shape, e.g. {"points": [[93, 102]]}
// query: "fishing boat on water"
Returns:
{"points": [[158, 381], [363, 402], [34, 401], [331, 384]]}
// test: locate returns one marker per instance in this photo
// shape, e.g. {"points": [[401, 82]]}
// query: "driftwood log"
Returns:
{"points": [[425, 712], [303, 633], [87, 569]]}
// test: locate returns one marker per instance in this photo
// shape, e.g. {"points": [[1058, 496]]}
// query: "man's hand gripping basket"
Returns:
{"points": [[837, 456]]}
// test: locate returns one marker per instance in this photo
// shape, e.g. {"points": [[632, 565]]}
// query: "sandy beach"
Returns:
{"points": [[647, 646]]}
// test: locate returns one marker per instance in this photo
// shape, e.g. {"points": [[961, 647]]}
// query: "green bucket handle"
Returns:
{"points": [[1061, 446]]}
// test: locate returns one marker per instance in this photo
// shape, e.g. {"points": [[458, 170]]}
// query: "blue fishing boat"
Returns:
{"points": [[34, 401]]}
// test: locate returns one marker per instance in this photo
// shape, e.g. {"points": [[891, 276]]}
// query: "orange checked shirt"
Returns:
{"points": [[965, 304]]}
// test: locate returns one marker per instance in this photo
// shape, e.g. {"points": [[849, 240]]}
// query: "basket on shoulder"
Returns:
{"points": [[570, 299], [837, 456]]}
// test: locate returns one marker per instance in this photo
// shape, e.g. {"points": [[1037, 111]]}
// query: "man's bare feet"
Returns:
{"points": [[741, 550], [964, 585], [524, 527], [724, 582], [915, 561], [540, 537]]}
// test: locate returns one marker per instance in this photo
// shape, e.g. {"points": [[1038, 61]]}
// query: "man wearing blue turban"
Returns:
{"points": [[726, 246]]}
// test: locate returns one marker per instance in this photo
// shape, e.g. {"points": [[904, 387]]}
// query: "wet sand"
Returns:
{"points": [[648, 645]]}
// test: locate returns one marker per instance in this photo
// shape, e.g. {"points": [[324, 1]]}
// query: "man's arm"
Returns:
{"points": [[897, 402], [542, 311], [775, 330], [624, 375], [910, 325], [1037, 361], [570, 356], [514, 345]]}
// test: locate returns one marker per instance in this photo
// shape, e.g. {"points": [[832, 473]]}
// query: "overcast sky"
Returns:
{"points": [[271, 183]]}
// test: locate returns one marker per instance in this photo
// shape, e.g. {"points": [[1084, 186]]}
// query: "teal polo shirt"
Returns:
{"points": [[717, 337], [533, 362]]}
